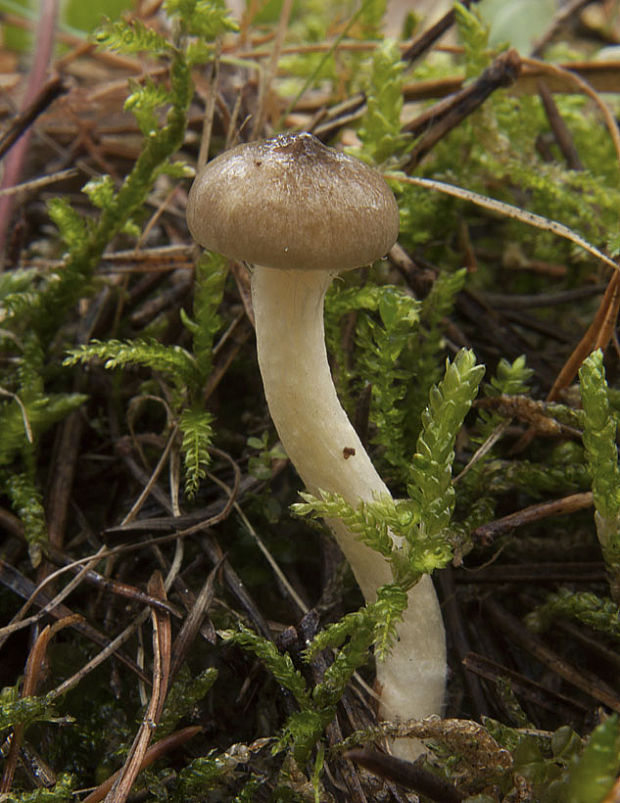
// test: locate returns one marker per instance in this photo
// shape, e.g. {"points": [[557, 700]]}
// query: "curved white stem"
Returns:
{"points": [[327, 453]]}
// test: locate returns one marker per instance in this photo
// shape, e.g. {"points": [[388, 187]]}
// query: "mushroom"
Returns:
{"points": [[301, 212]]}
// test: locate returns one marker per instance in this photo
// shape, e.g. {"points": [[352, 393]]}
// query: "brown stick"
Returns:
{"points": [[447, 114], [162, 640], [48, 94], [525, 687], [598, 335], [603, 76], [422, 43], [558, 507], [559, 128], [31, 678], [155, 751], [406, 774], [581, 678]]}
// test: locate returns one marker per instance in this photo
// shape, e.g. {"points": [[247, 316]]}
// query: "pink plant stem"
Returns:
{"points": [[46, 31]]}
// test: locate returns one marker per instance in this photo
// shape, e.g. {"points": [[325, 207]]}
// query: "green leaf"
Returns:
{"points": [[422, 359], [385, 359], [380, 130], [101, 191], [475, 35], [71, 225], [23, 710], [369, 521], [197, 430], [592, 775], [375, 623], [206, 19], [511, 379], [16, 281], [431, 471], [302, 730], [598, 613], [215, 769], [27, 501], [178, 169], [389, 607], [63, 791], [279, 664], [185, 693], [173, 361], [145, 99], [132, 36], [599, 439], [599, 436], [33, 417], [211, 273]]}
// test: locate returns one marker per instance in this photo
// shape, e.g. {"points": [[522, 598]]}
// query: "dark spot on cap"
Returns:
{"points": [[348, 452]]}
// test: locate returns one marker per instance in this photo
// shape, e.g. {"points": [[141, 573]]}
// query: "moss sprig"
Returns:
{"points": [[599, 439], [423, 356], [430, 485], [34, 309], [422, 520], [380, 130], [350, 638], [86, 243], [63, 791], [591, 610]]}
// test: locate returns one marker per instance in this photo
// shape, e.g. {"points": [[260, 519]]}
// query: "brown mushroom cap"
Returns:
{"points": [[292, 202]]}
